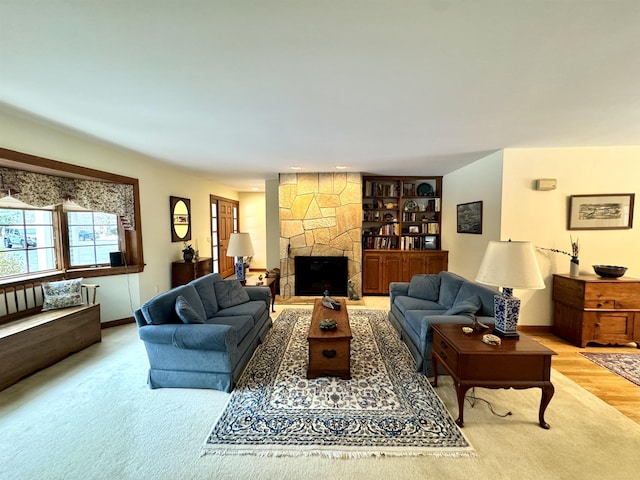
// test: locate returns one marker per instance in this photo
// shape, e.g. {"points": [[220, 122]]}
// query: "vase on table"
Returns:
{"points": [[574, 267]]}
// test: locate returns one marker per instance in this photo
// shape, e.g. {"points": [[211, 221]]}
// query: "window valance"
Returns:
{"points": [[43, 190]]}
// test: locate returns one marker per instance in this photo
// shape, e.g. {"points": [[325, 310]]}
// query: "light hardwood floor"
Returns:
{"points": [[617, 391]]}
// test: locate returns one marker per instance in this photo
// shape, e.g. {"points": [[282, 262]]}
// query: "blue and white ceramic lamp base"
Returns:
{"points": [[507, 312]]}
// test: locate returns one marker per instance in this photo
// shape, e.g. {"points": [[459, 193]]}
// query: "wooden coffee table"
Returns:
{"points": [[329, 350], [516, 363]]}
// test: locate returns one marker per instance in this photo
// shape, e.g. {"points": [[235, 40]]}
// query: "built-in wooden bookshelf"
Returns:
{"points": [[401, 229], [401, 213]]}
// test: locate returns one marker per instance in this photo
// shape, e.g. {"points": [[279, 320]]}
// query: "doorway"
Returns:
{"points": [[224, 222]]}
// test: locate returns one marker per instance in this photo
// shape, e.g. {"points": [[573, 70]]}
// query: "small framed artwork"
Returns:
{"points": [[610, 211], [430, 243], [469, 217], [414, 229]]}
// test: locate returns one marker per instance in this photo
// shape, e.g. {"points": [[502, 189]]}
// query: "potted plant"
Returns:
{"points": [[574, 265], [188, 253]]}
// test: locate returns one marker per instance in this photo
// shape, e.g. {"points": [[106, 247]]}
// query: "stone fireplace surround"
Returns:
{"points": [[320, 215]]}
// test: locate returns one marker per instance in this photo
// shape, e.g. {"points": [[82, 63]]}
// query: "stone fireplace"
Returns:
{"points": [[320, 215]]}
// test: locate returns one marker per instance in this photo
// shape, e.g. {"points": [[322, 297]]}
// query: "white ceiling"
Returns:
{"points": [[245, 89]]}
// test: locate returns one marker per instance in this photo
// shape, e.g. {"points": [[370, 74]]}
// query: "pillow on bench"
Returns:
{"points": [[62, 294]]}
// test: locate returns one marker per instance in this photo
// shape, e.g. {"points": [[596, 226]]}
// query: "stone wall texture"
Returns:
{"points": [[320, 215]]}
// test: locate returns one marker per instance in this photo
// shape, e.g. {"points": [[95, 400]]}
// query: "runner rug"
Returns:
{"points": [[626, 365], [387, 408]]}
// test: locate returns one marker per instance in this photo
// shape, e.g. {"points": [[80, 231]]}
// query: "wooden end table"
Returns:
{"points": [[516, 363], [265, 282], [329, 350]]}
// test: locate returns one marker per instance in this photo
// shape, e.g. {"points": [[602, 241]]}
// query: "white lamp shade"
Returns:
{"points": [[240, 245], [510, 265]]}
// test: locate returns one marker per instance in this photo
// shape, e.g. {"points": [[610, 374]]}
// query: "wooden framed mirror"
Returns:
{"points": [[180, 210]]}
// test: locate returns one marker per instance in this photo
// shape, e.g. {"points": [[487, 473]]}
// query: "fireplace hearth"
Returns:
{"points": [[315, 275]]}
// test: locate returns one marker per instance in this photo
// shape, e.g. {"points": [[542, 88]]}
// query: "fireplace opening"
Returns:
{"points": [[314, 275]]}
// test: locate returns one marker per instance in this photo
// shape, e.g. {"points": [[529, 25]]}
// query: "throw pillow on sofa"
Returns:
{"points": [[62, 294], [468, 306], [185, 311], [425, 287], [230, 293]]}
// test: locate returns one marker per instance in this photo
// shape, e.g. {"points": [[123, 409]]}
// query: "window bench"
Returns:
{"points": [[33, 340]]}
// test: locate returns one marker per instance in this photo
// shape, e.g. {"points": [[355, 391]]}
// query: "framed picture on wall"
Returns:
{"points": [[610, 211], [469, 217]]}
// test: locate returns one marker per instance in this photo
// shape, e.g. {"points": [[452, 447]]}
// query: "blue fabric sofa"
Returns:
{"points": [[201, 335], [428, 299]]}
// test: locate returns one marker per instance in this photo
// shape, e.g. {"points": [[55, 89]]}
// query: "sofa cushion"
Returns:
{"points": [[486, 295], [185, 311], [450, 284], [205, 288], [468, 306], [256, 309], [242, 324], [230, 293], [425, 286], [409, 303], [161, 308]]}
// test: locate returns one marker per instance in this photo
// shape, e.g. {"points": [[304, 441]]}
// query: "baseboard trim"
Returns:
{"points": [[535, 328], [117, 323]]}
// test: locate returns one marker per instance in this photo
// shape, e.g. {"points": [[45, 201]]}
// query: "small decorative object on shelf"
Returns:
{"points": [[574, 264], [188, 253], [329, 302], [609, 271], [491, 339], [328, 324]]}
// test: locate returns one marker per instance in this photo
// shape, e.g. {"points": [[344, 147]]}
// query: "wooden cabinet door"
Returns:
{"points": [[225, 229], [392, 270], [414, 263], [371, 273], [437, 262]]}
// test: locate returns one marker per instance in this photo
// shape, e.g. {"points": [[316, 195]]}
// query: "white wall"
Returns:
{"points": [[541, 216], [118, 294], [480, 181], [272, 206], [504, 181], [253, 221]]}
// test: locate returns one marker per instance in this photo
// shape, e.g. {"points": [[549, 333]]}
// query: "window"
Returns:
{"points": [[51, 220], [92, 236], [27, 242]]}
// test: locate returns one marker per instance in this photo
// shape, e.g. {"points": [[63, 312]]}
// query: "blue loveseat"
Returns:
{"points": [[428, 299], [201, 335]]}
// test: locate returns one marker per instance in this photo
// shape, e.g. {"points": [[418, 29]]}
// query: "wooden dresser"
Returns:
{"points": [[588, 308], [183, 272]]}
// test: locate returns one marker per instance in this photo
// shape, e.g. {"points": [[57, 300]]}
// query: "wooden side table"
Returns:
{"points": [[516, 363], [183, 272], [593, 309], [270, 282]]}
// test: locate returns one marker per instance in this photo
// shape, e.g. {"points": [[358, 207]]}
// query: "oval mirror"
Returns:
{"points": [[180, 219]]}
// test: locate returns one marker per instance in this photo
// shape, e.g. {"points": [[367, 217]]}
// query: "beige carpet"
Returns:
{"points": [[92, 416]]}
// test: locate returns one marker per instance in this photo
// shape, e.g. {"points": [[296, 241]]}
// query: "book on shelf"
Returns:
{"points": [[380, 189]]}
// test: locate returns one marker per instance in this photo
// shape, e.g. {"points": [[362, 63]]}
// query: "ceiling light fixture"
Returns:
{"points": [[295, 167], [341, 167]]}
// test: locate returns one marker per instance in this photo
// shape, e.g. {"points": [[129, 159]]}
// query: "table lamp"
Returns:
{"points": [[509, 265], [240, 246]]}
